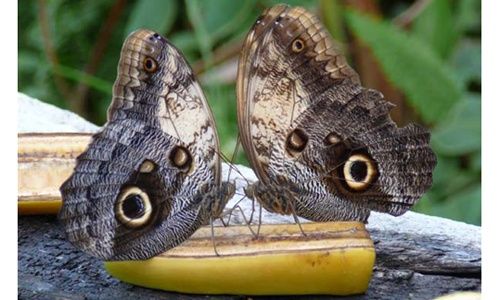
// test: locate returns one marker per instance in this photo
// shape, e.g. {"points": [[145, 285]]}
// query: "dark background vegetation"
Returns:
{"points": [[425, 56]]}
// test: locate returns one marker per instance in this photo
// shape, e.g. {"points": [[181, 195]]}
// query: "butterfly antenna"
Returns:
{"points": [[235, 153], [231, 166]]}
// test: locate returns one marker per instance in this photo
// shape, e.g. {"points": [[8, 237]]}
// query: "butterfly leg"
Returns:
{"points": [[213, 236], [260, 221], [224, 223], [247, 223], [230, 213], [253, 210], [296, 218]]}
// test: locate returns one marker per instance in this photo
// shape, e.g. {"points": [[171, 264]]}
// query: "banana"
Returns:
{"points": [[45, 160], [334, 258]]}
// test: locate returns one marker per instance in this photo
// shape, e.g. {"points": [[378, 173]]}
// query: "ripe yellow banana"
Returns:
{"points": [[334, 258], [45, 160]]}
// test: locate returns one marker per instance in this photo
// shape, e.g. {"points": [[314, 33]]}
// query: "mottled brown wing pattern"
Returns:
{"points": [[275, 83], [151, 176], [172, 94], [314, 134]]}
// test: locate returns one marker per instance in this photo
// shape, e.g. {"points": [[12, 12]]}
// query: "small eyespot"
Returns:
{"points": [[332, 139], [278, 20], [296, 141], [180, 157], [150, 65], [147, 166], [156, 36], [359, 172], [297, 45], [133, 208]]}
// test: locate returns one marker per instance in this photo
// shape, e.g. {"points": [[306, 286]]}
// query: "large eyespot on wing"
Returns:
{"points": [[120, 187], [133, 207], [136, 190], [288, 60], [363, 157], [127, 198]]}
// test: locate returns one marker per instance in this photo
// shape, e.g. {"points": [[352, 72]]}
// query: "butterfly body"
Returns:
{"points": [[309, 127], [151, 176]]}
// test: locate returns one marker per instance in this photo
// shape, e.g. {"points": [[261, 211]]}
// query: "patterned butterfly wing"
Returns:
{"points": [[314, 134], [149, 178]]}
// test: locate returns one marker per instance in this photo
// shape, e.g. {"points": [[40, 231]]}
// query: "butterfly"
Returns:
{"points": [[323, 147], [152, 175]]}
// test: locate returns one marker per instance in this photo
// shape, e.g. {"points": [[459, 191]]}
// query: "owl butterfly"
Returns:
{"points": [[323, 146], [152, 175]]}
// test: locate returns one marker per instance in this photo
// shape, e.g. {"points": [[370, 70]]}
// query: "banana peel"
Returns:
{"points": [[334, 258], [45, 161]]}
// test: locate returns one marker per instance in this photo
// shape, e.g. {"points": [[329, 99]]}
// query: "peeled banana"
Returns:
{"points": [[334, 258], [45, 160]]}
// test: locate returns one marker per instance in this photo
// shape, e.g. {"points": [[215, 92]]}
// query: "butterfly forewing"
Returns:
{"points": [[308, 126], [149, 178]]}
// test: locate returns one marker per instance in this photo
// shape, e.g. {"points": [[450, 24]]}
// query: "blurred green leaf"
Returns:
{"points": [[468, 15], [332, 15], [460, 132], [464, 206], [200, 30], [211, 23], [410, 65], [157, 15], [89, 80], [446, 167], [27, 61], [185, 41], [435, 26], [449, 167], [476, 161], [303, 3], [467, 60]]}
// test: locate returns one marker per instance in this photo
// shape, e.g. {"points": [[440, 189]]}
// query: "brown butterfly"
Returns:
{"points": [[323, 146], [152, 175]]}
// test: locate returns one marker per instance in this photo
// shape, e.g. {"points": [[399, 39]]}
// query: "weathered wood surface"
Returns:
{"points": [[418, 256]]}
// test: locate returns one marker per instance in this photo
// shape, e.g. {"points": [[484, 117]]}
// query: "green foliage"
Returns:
{"points": [[436, 28], [141, 16], [410, 65], [438, 66], [460, 132], [435, 62]]}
